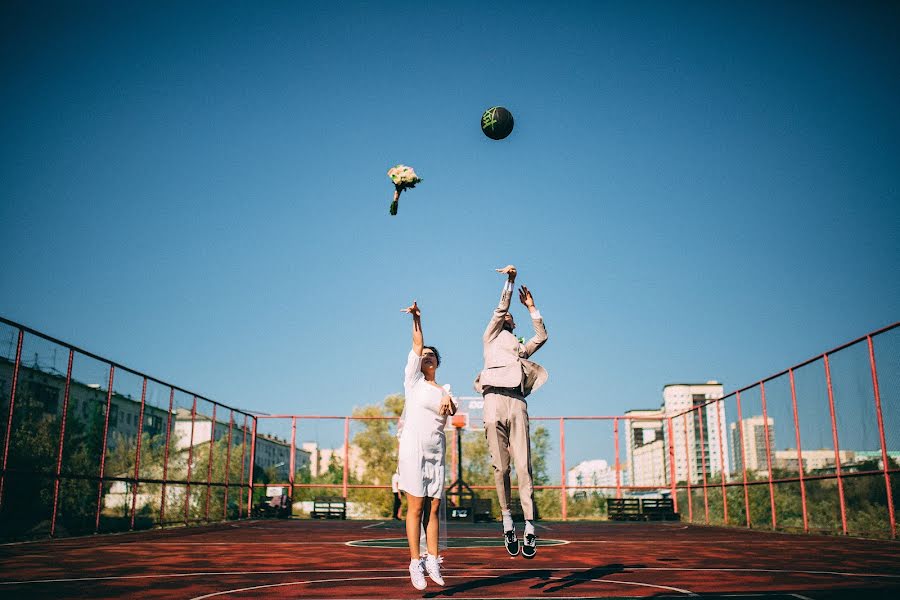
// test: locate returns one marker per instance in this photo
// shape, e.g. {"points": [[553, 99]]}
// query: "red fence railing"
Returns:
{"points": [[135, 440], [89, 445]]}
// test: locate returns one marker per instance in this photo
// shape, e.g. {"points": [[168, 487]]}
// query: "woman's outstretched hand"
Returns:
{"points": [[447, 407], [412, 310]]}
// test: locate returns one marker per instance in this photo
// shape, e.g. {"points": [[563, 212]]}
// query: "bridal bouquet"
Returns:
{"points": [[404, 178]]}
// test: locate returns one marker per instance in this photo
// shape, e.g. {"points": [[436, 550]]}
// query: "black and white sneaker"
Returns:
{"points": [[512, 544], [529, 546]]}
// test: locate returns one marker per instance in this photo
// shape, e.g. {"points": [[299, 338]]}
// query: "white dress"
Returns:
{"points": [[421, 432]]}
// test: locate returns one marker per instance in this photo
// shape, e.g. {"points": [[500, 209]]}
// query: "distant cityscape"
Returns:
{"points": [[191, 431], [700, 450], [702, 446]]}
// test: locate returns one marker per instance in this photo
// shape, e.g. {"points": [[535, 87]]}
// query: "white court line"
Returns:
{"points": [[374, 524], [762, 595], [127, 547], [290, 583], [209, 526], [576, 569], [676, 543], [351, 543], [355, 543]]}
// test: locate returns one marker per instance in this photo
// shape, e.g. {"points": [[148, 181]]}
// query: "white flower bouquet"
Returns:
{"points": [[404, 178]]}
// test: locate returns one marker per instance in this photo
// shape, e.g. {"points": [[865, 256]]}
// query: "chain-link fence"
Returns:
{"points": [[92, 446]]}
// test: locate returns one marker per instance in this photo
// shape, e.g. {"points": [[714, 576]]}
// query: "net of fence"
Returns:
{"points": [[92, 446]]}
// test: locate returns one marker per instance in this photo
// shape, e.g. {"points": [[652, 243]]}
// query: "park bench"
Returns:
{"points": [[641, 509], [275, 504], [624, 509], [329, 507], [658, 509]]}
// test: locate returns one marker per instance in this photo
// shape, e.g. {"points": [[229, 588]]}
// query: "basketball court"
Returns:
{"points": [[368, 559]]}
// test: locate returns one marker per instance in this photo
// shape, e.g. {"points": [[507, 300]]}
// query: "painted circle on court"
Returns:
{"points": [[452, 542]]}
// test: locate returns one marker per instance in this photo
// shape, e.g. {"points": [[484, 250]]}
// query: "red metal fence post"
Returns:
{"points": [[837, 448], [762, 389], [137, 455], [346, 455], [187, 489], [109, 394], [672, 475], [687, 471], [799, 451], [720, 408], [618, 467], [884, 455], [62, 436], [740, 427], [252, 464], [703, 463], [212, 443], [562, 468], [291, 459], [162, 502], [227, 464], [9, 417], [454, 454], [243, 464]]}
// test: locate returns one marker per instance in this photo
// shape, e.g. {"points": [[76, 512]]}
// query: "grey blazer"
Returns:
{"points": [[505, 358]]}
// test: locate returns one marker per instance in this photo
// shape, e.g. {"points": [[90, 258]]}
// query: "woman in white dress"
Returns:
{"points": [[421, 459]]}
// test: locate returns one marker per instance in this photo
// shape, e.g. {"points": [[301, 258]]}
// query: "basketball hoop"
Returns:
{"points": [[460, 420]]}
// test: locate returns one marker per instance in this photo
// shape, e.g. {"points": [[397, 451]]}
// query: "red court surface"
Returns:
{"points": [[314, 559]]}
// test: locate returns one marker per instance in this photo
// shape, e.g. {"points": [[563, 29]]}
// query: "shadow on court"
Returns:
{"points": [[547, 581]]}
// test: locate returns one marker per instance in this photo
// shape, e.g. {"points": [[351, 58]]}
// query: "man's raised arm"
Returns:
{"points": [[540, 332], [495, 325]]}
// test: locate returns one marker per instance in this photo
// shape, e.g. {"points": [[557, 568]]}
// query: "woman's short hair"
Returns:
{"points": [[437, 355]]}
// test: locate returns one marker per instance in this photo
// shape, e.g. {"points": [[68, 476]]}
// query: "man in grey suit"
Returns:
{"points": [[507, 379]]}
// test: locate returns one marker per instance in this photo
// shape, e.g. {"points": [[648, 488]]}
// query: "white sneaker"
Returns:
{"points": [[417, 575], [433, 566]]}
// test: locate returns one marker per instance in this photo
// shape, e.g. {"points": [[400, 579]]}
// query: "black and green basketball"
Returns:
{"points": [[497, 122]]}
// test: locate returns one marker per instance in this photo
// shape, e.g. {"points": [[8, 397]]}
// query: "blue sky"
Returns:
{"points": [[692, 192]]}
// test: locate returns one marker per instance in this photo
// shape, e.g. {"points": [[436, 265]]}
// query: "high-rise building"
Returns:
{"points": [[754, 437], [699, 443], [646, 448], [694, 415]]}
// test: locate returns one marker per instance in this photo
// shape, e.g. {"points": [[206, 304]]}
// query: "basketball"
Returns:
{"points": [[497, 122]]}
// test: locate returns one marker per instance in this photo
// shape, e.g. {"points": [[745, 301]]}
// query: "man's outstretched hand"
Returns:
{"points": [[510, 272], [526, 298]]}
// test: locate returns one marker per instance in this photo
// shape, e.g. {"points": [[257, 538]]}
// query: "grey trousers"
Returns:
{"points": [[506, 429]]}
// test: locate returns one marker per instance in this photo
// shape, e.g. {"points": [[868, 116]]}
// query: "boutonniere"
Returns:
{"points": [[522, 340]]}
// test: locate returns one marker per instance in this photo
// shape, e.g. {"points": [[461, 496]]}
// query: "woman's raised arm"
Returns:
{"points": [[417, 340]]}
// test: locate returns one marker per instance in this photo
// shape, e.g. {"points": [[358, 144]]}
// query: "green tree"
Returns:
{"points": [[33, 452], [377, 444], [477, 469], [540, 448], [214, 497]]}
